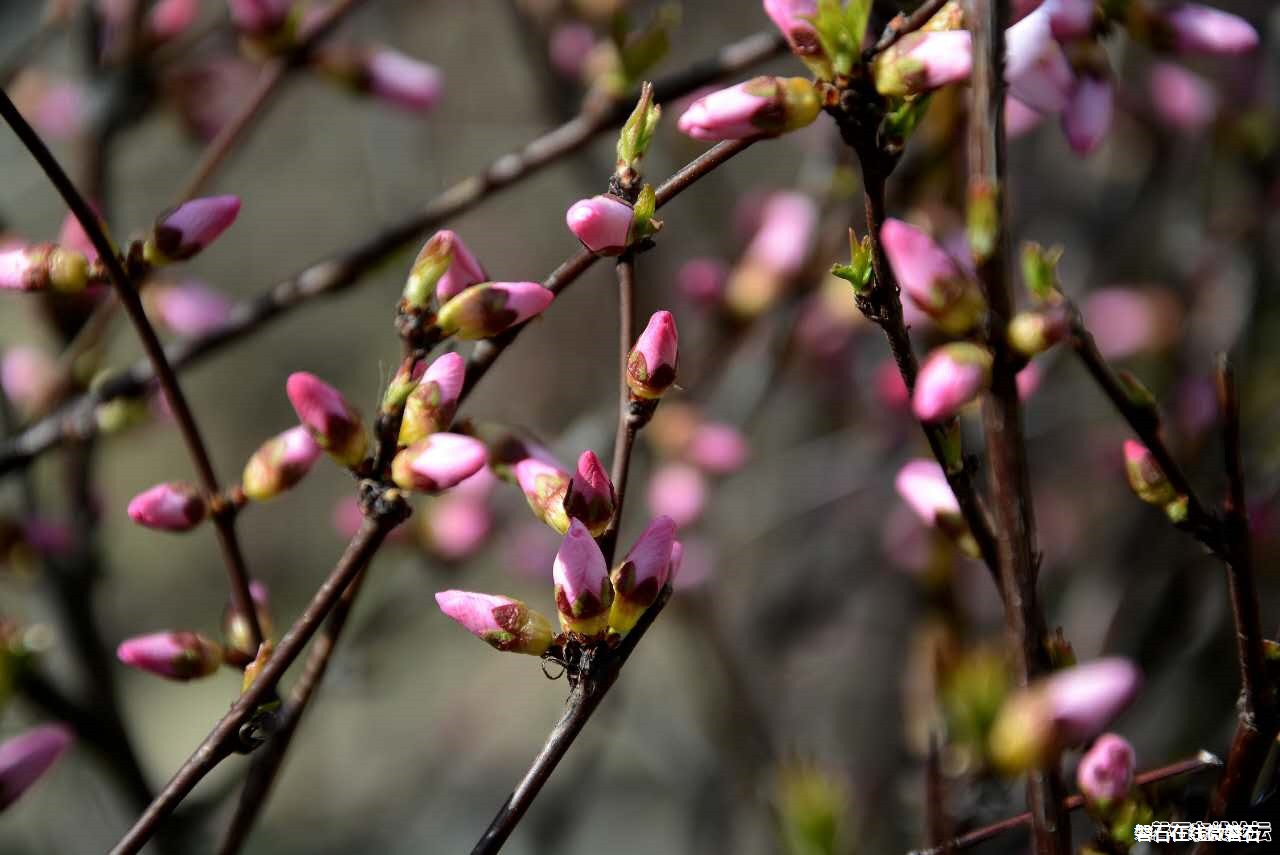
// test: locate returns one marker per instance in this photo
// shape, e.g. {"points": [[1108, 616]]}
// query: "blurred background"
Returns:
{"points": [[791, 679]]}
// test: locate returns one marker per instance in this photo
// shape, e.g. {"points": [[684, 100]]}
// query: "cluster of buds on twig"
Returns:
{"points": [[593, 603]]}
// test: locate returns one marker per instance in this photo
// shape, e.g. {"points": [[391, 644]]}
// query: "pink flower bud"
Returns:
{"points": [[1181, 98], [1037, 69], [602, 223], [22, 269], [507, 624], [1019, 119], [782, 241], [1146, 478], [1070, 19], [1087, 116], [545, 486], [677, 491], [591, 498], [1028, 381], [431, 406], [403, 81], [26, 757], [953, 376], [171, 18], [1196, 28], [56, 107], [190, 308], [334, 424], [438, 462], [455, 526], [923, 485], [445, 264], [702, 280], [763, 106], [640, 577], [27, 374], [930, 277], [1068, 708], [173, 655], [172, 506], [190, 228], [259, 17], [795, 19], [487, 309], [568, 48], [923, 61], [583, 590], [1127, 321], [279, 464], [718, 448], [1105, 773], [651, 365]]}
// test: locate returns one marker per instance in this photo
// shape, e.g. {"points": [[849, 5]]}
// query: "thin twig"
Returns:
{"points": [[1001, 409], [385, 512], [223, 519], [625, 437], [75, 419], [1202, 762], [585, 697], [902, 25]]}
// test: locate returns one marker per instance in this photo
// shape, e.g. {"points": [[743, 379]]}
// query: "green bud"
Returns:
{"points": [[1040, 270], [859, 271], [638, 132]]}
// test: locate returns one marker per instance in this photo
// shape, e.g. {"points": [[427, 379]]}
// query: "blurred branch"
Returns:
{"points": [[75, 419], [902, 25], [1001, 408], [1202, 762], [590, 689], [223, 516]]}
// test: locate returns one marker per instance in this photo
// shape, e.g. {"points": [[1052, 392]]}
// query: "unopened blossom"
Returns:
{"points": [[1067, 708], [795, 19], [1194, 28], [1146, 478], [651, 365], [584, 593], [335, 425], [58, 108], [454, 526], [951, 377], [490, 308], [782, 239], [931, 278], [402, 80], [1128, 321], [602, 223], [280, 463], [1181, 98], [679, 491], [444, 266], [1037, 69], [1105, 773], [643, 573], [702, 280], [190, 228], [172, 506], [27, 374], [25, 758], [763, 106], [923, 486], [923, 61], [1086, 117], [1071, 19], [438, 462], [506, 624], [189, 308], [173, 655], [591, 498], [259, 17], [718, 448], [545, 485], [169, 19], [22, 268], [432, 404], [568, 47]]}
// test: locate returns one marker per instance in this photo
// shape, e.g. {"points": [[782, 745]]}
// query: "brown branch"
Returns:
{"points": [[625, 436], [585, 697], [1001, 409], [75, 419], [1202, 762], [384, 511], [127, 293]]}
